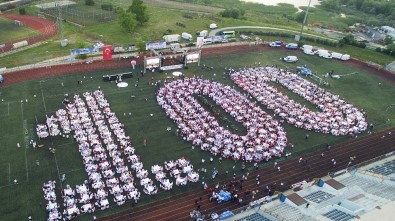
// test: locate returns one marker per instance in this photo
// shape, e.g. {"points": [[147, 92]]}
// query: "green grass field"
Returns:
{"points": [[18, 120], [11, 31]]}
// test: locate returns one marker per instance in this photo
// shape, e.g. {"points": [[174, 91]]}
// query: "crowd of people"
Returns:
{"points": [[104, 148], [265, 136], [336, 116], [103, 145], [50, 198]]}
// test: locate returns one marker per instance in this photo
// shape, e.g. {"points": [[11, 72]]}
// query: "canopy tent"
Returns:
{"points": [[304, 70]]}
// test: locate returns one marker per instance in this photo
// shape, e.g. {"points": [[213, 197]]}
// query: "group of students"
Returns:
{"points": [[336, 116], [265, 136], [101, 141]]}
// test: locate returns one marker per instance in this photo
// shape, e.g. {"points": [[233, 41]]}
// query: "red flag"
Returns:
{"points": [[107, 52]]}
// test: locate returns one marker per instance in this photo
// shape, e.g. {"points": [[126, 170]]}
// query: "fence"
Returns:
{"points": [[81, 17]]}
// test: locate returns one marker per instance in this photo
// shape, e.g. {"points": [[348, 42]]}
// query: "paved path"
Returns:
{"points": [[215, 31]]}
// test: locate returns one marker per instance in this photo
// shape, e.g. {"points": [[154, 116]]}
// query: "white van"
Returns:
{"points": [[309, 51], [290, 59], [324, 54], [304, 47], [337, 55], [345, 57], [213, 26], [186, 36], [203, 33]]}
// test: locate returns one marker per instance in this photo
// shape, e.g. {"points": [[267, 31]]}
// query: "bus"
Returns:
{"points": [[229, 34]]}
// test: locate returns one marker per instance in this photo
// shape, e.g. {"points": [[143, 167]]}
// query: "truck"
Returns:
{"points": [[172, 38], [186, 36], [276, 44], [291, 46], [203, 33]]}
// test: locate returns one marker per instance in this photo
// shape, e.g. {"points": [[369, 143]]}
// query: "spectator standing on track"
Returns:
{"points": [[300, 160], [278, 168]]}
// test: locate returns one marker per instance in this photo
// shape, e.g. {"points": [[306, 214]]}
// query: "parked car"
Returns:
{"points": [[276, 44], [244, 37], [291, 46], [290, 59]]}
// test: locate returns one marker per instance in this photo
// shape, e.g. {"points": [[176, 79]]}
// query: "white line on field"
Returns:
{"points": [[57, 167], [27, 169], [9, 173], [42, 95]]}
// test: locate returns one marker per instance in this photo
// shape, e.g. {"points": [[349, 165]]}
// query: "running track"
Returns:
{"points": [[46, 27]]}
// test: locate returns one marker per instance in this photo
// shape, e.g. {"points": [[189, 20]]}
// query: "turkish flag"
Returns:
{"points": [[107, 52]]}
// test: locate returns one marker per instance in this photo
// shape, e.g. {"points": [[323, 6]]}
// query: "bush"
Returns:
{"points": [[82, 56], [107, 6], [232, 13], [22, 11], [89, 2]]}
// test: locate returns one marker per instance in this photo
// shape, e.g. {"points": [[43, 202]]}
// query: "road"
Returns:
{"points": [[215, 31]]}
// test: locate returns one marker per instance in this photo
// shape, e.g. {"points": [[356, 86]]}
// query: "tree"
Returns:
{"points": [[388, 40], [22, 11], [89, 2], [300, 16], [139, 10], [127, 20], [140, 45], [331, 4], [232, 13]]}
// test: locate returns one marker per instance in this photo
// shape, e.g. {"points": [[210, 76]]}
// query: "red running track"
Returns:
{"points": [[47, 28]]}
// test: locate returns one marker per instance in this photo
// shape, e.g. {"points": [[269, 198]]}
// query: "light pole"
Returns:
{"points": [[304, 22]]}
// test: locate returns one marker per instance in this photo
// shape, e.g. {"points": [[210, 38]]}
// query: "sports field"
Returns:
{"points": [[10, 31], [20, 110]]}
